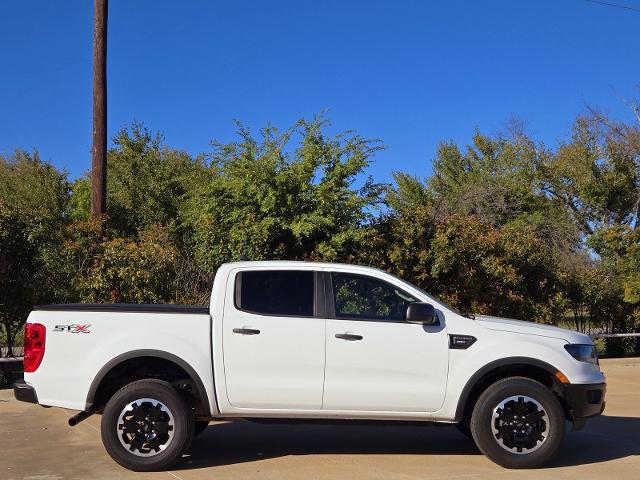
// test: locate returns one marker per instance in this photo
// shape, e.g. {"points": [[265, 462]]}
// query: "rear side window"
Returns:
{"points": [[275, 292]]}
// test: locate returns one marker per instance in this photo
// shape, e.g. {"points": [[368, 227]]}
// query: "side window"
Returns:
{"points": [[275, 292], [360, 297]]}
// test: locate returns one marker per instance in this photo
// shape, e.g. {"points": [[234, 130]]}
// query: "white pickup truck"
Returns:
{"points": [[308, 342]]}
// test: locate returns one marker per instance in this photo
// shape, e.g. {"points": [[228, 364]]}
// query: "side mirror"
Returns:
{"points": [[421, 313]]}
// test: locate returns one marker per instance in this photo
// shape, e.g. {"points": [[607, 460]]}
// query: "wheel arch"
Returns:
{"points": [[98, 383], [493, 371]]}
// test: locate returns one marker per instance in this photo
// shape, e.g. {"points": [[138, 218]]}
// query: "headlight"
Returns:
{"points": [[583, 353]]}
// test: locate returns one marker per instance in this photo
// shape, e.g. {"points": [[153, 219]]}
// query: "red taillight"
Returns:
{"points": [[34, 339]]}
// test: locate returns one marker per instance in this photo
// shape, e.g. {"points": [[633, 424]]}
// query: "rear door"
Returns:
{"points": [[376, 361], [273, 340]]}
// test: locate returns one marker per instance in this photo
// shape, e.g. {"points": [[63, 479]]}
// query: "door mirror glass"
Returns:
{"points": [[422, 313]]}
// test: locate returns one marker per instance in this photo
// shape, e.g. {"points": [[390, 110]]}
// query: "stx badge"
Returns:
{"points": [[75, 328]]}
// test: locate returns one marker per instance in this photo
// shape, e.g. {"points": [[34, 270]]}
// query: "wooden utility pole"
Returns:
{"points": [[99, 148]]}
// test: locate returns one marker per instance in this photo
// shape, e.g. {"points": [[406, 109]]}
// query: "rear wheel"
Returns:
{"points": [[147, 425], [518, 423]]}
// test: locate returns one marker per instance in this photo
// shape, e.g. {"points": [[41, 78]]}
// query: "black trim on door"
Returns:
{"points": [[330, 305], [320, 307]]}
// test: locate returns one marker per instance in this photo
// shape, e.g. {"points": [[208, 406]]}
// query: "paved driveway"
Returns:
{"points": [[37, 444]]}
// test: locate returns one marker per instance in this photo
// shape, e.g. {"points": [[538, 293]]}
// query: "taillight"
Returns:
{"points": [[34, 340]]}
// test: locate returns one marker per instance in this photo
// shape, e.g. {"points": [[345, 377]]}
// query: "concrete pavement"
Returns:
{"points": [[37, 444]]}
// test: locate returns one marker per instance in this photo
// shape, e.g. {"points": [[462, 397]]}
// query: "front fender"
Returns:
{"points": [[498, 349]]}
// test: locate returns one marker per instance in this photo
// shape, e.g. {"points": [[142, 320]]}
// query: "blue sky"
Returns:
{"points": [[412, 73]]}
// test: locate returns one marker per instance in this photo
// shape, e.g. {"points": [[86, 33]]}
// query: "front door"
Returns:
{"points": [[273, 341], [375, 360]]}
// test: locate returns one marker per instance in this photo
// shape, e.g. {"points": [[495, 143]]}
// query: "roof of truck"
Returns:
{"points": [[296, 263]]}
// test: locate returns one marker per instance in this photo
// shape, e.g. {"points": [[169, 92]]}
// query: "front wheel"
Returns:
{"points": [[518, 423], [147, 425]]}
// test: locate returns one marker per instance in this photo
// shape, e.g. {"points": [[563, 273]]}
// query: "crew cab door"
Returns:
{"points": [[273, 340], [376, 361]]}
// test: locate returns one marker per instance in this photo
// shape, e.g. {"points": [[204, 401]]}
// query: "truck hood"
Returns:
{"points": [[518, 326]]}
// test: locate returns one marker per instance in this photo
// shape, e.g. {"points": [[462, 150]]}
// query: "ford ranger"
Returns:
{"points": [[300, 341]]}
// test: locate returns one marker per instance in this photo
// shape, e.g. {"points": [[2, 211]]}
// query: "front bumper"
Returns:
{"points": [[584, 401], [24, 392]]}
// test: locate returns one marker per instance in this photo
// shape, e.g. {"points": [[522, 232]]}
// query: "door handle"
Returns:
{"points": [[246, 331], [348, 336]]}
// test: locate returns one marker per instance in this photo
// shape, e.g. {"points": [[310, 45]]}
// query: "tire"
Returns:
{"points": [[200, 427], [160, 423], [524, 406]]}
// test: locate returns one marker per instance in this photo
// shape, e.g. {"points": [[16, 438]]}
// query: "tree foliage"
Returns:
{"points": [[33, 198], [596, 175], [504, 226], [119, 269], [267, 199]]}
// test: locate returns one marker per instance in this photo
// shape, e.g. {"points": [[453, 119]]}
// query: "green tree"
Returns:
{"points": [[596, 175], [119, 269], [502, 181], [494, 178], [147, 181], [504, 225], [471, 264], [33, 201], [289, 195], [481, 232], [613, 290], [147, 184]]}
